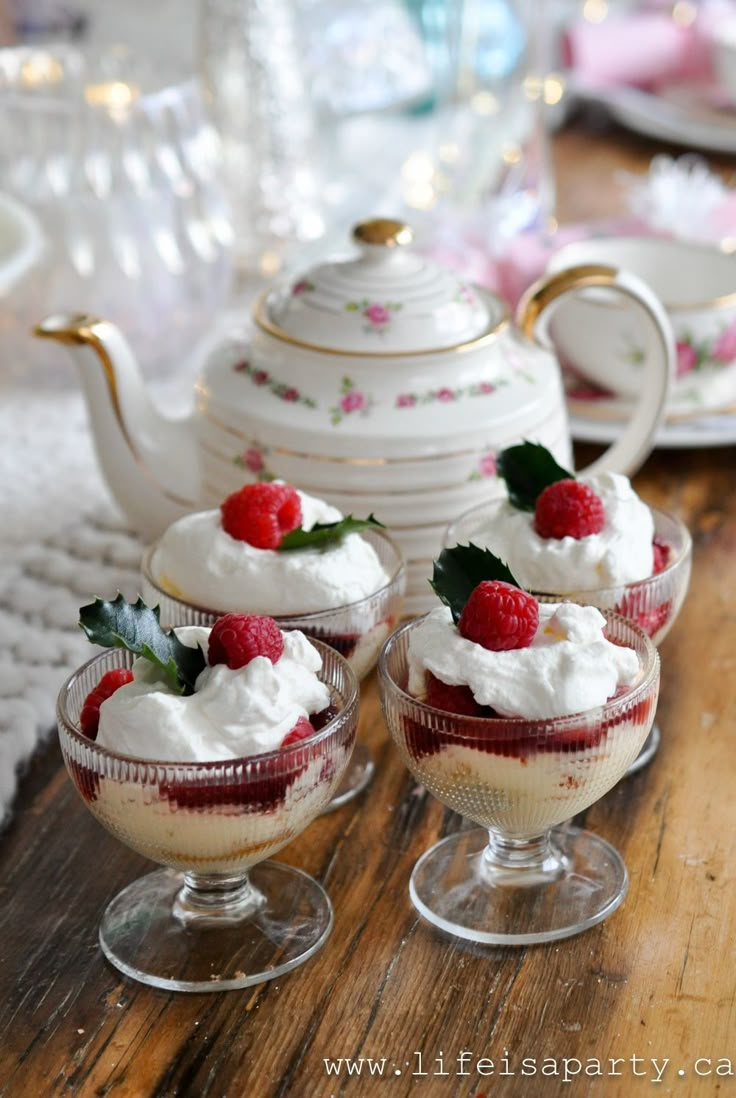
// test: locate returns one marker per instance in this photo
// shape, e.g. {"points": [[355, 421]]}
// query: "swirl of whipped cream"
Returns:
{"points": [[621, 553], [199, 562], [231, 714], [569, 666]]}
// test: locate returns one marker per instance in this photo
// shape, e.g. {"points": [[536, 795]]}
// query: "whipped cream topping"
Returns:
{"points": [[231, 714], [568, 668], [621, 553], [199, 562]]}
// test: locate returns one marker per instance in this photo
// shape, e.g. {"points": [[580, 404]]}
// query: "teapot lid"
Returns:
{"points": [[388, 299]]}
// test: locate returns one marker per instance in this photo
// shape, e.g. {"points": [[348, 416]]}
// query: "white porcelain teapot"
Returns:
{"points": [[381, 382]]}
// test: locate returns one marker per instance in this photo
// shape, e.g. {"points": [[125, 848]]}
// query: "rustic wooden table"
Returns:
{"points": [[648, 995]]}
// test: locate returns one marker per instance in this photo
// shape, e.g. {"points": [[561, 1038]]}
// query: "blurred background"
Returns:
{"points": [[157, 158]]}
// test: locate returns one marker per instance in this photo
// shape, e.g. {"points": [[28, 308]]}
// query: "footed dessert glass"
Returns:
{"points": [[516, 880], [356, 630], [652, 603], [220, 915]]}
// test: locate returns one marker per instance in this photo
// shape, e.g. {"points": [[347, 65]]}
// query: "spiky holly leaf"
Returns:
{"points": [[458, 571], [528, 469], [136, 627], [324, 532]]}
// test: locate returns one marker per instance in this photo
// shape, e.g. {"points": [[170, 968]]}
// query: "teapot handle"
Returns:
{"points": [[534, 313]]}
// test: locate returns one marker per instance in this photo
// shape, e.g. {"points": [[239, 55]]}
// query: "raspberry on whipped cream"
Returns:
{"points": [[231, 714], [198, 562], [569, 666], [620, 553]]}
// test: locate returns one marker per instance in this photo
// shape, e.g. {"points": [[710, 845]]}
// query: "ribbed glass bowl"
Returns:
{"points": [[518, 779], [213, 823], [356, 630], [652, 603]]}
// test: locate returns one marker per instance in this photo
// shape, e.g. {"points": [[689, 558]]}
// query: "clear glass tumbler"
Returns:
{"points": [[219, 915]]}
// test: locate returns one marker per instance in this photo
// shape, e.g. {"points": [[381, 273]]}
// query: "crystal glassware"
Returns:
{"points": [[114, 155], [518, 878], [356, 630], [219, 915], [652, 603]]}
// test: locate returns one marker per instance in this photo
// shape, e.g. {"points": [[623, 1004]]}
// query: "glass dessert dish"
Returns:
{"points": [[356, 630], [219, 915], [652, 603], [517, 879]]}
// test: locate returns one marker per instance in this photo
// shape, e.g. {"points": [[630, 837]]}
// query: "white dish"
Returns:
{"points": [[710, 430], [684, 113]]}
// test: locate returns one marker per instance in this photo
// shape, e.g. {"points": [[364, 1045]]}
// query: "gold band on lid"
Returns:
{"points": [[384, 231]]}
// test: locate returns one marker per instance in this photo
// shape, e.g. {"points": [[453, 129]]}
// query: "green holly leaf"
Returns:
{"points": [[137, 628], [324, 532], [458, 571], [528, 469]]}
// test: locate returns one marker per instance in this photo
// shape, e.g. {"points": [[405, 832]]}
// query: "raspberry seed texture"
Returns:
{"points": [[236, 639], [261, 514], [568, 509], [89, 718], [499, 616]]}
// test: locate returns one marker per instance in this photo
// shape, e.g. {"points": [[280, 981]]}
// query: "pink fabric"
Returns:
{"points": [[644, 50]]}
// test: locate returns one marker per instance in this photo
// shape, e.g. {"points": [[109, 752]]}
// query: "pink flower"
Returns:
{"points": [[487, 465], [243, 365], [352, 401], [486, 387], [260, 377], [253, 460], [378, 315], [300, 287], [445, 395], [405, 400], [290, 394], [724, 349], [687, 358]]}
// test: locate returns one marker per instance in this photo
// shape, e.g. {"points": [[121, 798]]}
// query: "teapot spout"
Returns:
{"points": [[148, 460]]}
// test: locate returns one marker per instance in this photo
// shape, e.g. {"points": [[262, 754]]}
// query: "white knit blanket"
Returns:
{"points": [[62, 541]]}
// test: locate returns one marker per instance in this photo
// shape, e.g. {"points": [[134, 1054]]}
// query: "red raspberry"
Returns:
{"points": [[89, 718], [236, 639], [300, 731], [261, 514], [499, 616], [568, 509], [661, 555], [453, 699]]}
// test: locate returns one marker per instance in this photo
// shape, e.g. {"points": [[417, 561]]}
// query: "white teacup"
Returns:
{"points": [[609, 345]]}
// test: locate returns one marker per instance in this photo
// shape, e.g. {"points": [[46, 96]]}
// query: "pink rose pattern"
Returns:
{"points": [[377, 315], [278, 388], [254, 461], [692, 355], [445, 395], [303, 286], [351, 400], [486, 467]]}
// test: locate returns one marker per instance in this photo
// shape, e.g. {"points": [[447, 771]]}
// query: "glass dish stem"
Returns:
{"points": [[216, 899]]}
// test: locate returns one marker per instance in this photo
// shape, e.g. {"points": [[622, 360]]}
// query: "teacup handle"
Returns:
{"points": [[534, 312]]}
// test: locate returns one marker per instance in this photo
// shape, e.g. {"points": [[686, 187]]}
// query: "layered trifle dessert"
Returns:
{"points": [[538, 689], [588, 538], [206, 749], [273, 549], [517, 713]]}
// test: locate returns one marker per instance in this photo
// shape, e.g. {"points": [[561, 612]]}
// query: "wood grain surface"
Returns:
{"points": [[656, 982]]}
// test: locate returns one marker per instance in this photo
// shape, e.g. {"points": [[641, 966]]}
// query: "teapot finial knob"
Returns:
{"points": [[385, 232]]}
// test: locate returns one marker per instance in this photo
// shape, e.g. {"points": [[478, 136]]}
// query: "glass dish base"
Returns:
{"points": [[581, 883], [288, 919], [357, 777], [650, 747]]}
